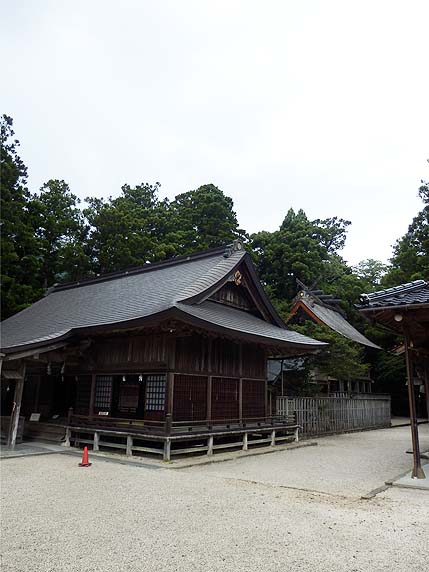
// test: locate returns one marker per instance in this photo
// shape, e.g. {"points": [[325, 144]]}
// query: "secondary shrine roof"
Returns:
{"points": [[321, 312]]}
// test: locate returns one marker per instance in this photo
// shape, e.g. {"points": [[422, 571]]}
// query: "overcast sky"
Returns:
{"points": [[320, 105]]}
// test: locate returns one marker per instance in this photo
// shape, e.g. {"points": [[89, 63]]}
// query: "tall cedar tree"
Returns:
{"points": [[301, 249], [410, 259], [203, 219], [61, 233], [129, 230], [21, 261]]}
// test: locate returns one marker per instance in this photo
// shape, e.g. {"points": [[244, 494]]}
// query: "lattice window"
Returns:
{"points": [[155, 393], [103, 392]]}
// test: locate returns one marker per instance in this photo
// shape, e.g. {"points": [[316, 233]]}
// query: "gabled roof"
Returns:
{"points": [[323, 314], [176, 288], [416, 292]]}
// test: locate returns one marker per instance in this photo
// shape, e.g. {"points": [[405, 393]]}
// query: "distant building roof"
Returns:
{"points": [[416, 292], [177, 288], [321, 312]]}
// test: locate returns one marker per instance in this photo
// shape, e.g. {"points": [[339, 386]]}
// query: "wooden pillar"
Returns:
{"points": [[169, 394], [267, 413], [209, 380], [209, 397], [171, 364], [240, 399], [17, 400], [426, 380], [417, 468], [92, 394], [240, 383]]}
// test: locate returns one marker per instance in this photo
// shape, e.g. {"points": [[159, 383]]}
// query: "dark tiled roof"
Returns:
{"points": [[416, 292], [137, 294], [245, 323], [335, 321]]}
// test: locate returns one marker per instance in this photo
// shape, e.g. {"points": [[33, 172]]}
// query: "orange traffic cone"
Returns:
{"points": [[85, 462]]}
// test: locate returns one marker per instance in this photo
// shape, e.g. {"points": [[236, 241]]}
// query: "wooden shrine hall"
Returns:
{"points": [[144, 358]]}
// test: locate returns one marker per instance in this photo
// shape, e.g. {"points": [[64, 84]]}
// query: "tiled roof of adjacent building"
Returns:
{"points": [[325, 309], [176, 288], [416, 292]]}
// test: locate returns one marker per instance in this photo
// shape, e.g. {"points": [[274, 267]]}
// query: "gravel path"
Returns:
{"points": [[113, 517], [349, 465]]}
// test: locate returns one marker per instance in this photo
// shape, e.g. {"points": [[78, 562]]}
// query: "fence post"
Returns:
{"points": [[245, 447], [210, 445], [67, 439], [273, 438], [129, 446], [167, 450], [168, 424], [96, 441]]}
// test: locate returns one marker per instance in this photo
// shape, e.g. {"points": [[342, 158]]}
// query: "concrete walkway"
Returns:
{"points": [[30, 448]]}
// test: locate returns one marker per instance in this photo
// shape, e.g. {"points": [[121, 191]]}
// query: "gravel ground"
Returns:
{"points": [[115, 517], [350, 465]]}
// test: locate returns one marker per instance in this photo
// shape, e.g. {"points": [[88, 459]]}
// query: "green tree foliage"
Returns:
{"points": [[370, 273], [342, 359], [301, 249], [128, 230], [138, 227], [61, 233], [203, 219], [410, 259], [19, 248]]}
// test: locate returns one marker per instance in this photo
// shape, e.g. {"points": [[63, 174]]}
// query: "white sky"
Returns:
{"points": [[320, 105]]}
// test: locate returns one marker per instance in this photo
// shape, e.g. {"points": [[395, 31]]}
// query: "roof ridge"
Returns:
{"points": [[407, 287], [310, 296], [141, 269], [219, 272]]}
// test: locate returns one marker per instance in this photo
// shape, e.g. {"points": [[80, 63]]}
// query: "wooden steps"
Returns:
{"points": [[49, 432]]}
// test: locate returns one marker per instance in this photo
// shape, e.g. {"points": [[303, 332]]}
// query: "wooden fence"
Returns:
{"points": [[327, 415]]}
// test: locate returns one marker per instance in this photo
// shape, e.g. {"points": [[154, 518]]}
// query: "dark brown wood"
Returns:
{"points": [[209, 396], [206, 376], [17, 400], [92, 394], [426, 384], [169, 393], [417, 469]]}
